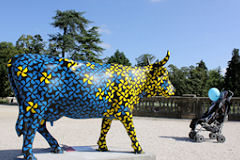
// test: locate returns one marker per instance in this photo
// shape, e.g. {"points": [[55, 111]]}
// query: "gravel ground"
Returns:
{"points": [[165, 138]]}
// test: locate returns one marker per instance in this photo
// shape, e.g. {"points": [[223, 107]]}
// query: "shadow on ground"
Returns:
{"points": [[185, 139], [13, 154]]}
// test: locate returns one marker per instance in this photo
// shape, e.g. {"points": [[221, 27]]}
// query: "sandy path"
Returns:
{"points": [[166, 138]]}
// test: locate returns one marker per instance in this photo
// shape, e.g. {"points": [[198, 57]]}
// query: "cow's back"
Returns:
{"points": [[62, 87]]}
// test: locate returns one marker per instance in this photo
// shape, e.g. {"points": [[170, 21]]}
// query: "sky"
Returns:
{"points": [[192, 30]]}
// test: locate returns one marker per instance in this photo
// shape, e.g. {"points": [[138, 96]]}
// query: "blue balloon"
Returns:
{"points": [[214, 94]]}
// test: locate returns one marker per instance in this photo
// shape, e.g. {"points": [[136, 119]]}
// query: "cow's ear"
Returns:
{"points": [[162, 62]]}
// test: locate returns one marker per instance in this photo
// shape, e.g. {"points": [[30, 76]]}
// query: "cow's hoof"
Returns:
{"points": [[57, 150], [102, 149], [139, 151]]}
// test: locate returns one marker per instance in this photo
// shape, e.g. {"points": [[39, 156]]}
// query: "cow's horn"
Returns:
{"points": [[164, 61]]}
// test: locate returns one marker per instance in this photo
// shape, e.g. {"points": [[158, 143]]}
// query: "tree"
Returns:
{"points": [[52, 50], [145, 59], [88, 46], [232, 76], [119, 58], [31, 44], [197, 79], [203, 76], [75, 39], [7, 50], [215, 79], [178, 77]]}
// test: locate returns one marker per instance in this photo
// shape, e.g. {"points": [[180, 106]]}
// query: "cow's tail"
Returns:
{"points": [[20, 120]]}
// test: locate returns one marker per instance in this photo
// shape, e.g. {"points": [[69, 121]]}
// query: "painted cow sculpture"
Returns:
{"points": [[48, 88]]}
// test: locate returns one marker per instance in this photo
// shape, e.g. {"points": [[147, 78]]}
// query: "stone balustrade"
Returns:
{"points": [[181, 107]]}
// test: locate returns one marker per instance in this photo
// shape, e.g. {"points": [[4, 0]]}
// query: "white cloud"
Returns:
{"points": [[105, 45], [157, 1], [103, 29]]}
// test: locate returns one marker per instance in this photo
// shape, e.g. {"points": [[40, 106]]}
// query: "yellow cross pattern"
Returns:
{"points": [[22, 72], [88, 79], [45, 77], [32, 107]]}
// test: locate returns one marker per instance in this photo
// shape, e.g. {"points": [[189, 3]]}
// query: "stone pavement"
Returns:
{"points": [[90, 153]]}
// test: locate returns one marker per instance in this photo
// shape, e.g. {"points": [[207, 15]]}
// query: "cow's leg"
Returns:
{"points": [[28, 138], [106, 123], [55, 148], [127, 121], [33, 117]]}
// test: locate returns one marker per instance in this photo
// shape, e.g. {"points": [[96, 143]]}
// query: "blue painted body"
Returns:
{"points": [[48, 88]]}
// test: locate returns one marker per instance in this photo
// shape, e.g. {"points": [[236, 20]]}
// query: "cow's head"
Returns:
{"points": [[157, 83]]}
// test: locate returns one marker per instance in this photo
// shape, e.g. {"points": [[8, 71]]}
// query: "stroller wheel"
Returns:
{"points": [[221, 138], [192, 134], [199, 138], [212, 135]]}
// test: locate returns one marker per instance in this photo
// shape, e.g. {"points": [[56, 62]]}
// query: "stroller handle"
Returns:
{"points": [[230, 93]]}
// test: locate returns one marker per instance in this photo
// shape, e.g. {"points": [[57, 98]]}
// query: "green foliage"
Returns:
{"points": [[178, 78], [88, 46], [195, 80], [119, 58], [7, 50], [215, 79], [52, 50], [145, 59], [76, 39], [31, 44], [232, 76]]}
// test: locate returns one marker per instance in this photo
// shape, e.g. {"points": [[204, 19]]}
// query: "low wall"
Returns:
{"points": [[180, 107], [8, 100]]}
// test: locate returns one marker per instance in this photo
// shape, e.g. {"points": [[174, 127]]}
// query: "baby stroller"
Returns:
{"points": [[212, 120]]}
